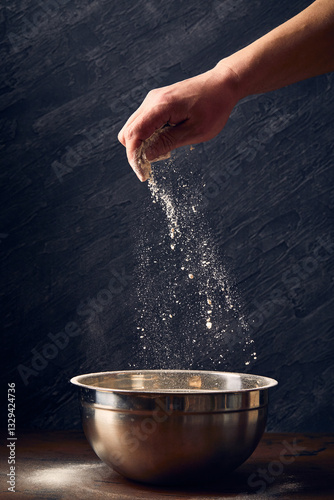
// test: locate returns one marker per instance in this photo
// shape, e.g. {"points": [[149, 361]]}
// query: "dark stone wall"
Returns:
{"points": [[72, 72]]}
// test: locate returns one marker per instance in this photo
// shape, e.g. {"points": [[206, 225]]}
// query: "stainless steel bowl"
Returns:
{"points": [[171, 426]]}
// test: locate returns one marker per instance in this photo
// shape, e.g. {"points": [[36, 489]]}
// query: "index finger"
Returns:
{"points": [[132, 118]]}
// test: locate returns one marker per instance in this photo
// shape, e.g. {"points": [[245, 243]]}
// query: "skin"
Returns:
{"points": [[199, 107]]}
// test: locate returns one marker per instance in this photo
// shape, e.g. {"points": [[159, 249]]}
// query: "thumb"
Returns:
{"points": [[164, 140]]}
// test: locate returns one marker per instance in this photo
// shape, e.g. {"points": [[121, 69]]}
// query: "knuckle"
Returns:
{"points": [[153, 95], [152, 92], [129, 133], [160, 95]]}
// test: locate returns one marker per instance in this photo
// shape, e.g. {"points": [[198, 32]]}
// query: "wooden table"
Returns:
{"points": [[61, 465]]}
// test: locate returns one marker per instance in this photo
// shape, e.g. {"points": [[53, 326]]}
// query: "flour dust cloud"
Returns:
{"points": [[189, 313]]}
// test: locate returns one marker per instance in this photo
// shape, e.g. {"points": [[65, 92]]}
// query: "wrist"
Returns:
{"points": [[239, 73], [229, 80]]}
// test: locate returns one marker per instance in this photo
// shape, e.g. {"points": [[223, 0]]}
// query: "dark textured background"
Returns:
{"points": [[71, 73]]}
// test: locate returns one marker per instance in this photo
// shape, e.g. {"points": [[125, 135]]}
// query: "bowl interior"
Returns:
{"points": [[173, 381]]}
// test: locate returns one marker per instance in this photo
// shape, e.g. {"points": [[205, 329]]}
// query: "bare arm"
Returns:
{"points": [[200, 107], [298, 49]]}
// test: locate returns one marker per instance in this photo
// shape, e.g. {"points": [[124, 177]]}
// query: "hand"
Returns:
{"points": [[198, 109]]}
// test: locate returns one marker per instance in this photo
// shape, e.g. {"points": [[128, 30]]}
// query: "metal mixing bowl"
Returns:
{"points": [[169, 426]]}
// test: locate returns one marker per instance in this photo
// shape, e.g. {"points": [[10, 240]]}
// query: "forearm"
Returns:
{"points": [[298, 49]]}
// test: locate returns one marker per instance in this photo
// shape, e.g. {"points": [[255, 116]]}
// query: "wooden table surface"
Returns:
{"points": [[61, 465]]}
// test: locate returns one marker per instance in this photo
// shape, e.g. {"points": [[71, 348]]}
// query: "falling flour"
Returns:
{"points": [[189, 313]]}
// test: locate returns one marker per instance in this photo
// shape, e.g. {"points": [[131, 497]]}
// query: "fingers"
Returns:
{"points": [[132, 137], [122, 133], [136, 132], [168, 140], [150, 110]]}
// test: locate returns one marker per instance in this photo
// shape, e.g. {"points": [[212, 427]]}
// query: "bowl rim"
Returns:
{"points": [[269, 382]]}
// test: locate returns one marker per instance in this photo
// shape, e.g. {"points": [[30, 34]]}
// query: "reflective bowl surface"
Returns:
{"points": [[171, 426]]}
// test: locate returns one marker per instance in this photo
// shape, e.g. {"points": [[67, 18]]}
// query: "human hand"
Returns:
{"points": [[197, 108]]}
